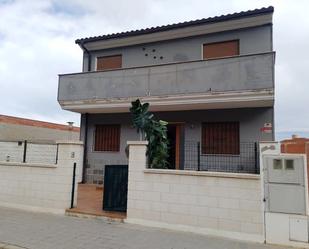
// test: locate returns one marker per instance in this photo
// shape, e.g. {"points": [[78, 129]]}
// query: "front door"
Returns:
{"points": [[175, 137]]}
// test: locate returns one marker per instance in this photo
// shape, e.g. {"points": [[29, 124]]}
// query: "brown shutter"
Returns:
{"points": [[109, 62], [220, 138], [107, 138], [220, 49]]}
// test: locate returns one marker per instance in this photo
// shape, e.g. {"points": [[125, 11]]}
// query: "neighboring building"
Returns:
{"points": [[14, 128], [211, 79], [298, 145]]}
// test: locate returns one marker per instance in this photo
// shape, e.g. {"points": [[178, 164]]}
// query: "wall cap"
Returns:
{"points": [[137, 142], [286, 155], [203, 173], [74, 142], [37, 165], [268, 142]]}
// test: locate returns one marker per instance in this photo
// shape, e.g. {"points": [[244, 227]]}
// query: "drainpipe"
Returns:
{"points": [[86, 119], [85, 149], [88, 54]]}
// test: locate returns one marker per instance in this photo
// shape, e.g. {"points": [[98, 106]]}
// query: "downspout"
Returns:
{"points": [[85, 159], [88, 55], [85, 149]]}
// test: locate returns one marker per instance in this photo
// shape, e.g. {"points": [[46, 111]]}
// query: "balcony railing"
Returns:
{"points": [[247, 72]]}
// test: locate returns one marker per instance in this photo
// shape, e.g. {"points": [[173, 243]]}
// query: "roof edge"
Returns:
{"points": [[222, 18], [5, 119]]}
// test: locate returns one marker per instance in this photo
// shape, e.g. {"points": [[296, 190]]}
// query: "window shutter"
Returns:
{"points": [[220, 49], [220, 138], [107, 138], [109, 62]]}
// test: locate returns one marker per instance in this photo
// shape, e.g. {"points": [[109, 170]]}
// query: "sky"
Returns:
{"points": [[37, 43]]}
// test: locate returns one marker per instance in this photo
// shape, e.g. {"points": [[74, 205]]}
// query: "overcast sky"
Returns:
{"points": [[37, 43]]}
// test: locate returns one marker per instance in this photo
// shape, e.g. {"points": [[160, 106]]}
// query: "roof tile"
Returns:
{"points": [[221, 18]]}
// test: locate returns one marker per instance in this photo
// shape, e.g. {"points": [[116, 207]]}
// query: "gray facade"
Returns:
{"points": [[251, 72], [164, 66], [141, 76], [251, 120], [251, 41]]}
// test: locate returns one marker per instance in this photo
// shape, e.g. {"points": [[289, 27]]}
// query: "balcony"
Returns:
{"points": [[233, 82]]}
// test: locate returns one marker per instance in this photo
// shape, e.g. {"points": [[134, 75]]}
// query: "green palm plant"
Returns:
{"points": [[154, 131]]}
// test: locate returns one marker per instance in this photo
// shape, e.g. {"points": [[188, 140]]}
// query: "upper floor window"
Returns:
{"points": [[220, 49], [220, 138], [109, 62], [107, 138]]}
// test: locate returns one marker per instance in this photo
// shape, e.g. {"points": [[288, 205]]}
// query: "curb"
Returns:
{"points": [[91, 216], [10, 246]]}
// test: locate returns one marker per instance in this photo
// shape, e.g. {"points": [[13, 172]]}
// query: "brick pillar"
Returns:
{"points": [[70, 152], [137, 155], [297, 145], [137, 165], [307, 155]]}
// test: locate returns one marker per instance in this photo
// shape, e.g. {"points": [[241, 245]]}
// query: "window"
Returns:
{"points": [[109, 62], [220, 138], [220, 49], [107, 138]]}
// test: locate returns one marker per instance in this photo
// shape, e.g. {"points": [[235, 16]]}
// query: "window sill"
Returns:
{"points": [[34, 165]]}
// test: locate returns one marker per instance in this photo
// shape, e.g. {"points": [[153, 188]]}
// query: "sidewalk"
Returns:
{"points": [[43, 231]]}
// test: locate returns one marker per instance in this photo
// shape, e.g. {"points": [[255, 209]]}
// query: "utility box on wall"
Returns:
{"points": [[284, 180], [286, 199], [298, 229]]}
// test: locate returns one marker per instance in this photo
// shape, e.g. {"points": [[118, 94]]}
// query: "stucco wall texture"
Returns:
{"points": [[250, 120], [253, 40]]}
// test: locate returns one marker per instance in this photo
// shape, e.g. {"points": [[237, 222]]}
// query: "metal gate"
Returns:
{"points": [[115, 188]]}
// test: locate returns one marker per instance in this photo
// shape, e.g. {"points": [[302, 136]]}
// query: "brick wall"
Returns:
{"points": [[11, 151], [35, 153], [41, 186], [296, 145], [223, 204]]}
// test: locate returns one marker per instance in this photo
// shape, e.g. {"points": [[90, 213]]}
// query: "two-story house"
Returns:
{"points": [[212, 79]]}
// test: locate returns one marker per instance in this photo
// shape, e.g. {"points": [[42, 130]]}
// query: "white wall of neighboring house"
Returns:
{"points": [[224, 204], [15, 128], [43, 186]]}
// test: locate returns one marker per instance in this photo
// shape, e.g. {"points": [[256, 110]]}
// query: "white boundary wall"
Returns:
{"points": [[222, 204], [41, 186], [13, 151]]}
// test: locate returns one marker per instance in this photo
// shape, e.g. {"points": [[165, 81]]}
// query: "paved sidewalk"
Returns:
{"points": [[43, 231]]}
